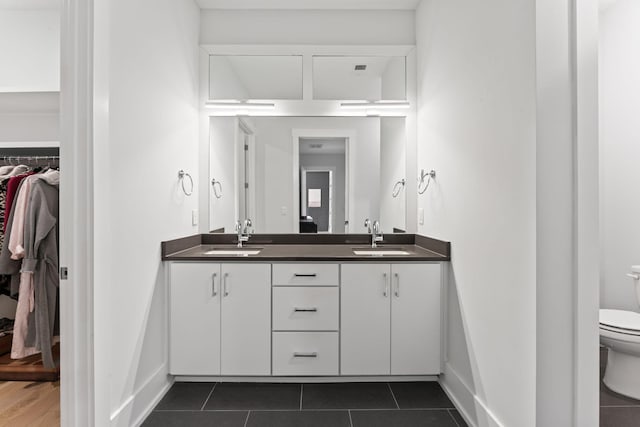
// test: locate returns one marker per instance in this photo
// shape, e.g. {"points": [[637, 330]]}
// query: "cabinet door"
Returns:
{"points": [[415, 319], [194, 329], [246, 319], [365, 315]]}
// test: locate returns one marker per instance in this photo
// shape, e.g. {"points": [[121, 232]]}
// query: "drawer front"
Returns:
{"points": [[305, 353], [305, 275], [305, 308]]}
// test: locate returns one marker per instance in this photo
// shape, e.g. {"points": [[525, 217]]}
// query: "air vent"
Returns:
{"points": [[315, 145], [361, 67]]}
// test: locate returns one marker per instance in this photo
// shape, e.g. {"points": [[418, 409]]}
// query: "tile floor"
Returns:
{"points": [[421, 404], [616, 410]]}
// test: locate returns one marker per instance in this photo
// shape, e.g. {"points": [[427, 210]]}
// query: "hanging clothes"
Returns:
{"points": [[41, 260]]}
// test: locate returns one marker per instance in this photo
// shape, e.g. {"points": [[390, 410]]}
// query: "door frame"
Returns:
{"points": [[350, 139], [332, 190], [244, 126]]}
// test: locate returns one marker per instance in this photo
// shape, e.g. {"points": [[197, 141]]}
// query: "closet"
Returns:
{"points": [[29, 279]]}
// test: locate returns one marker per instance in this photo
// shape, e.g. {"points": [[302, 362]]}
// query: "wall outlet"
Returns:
{"points": [[194, 217], [421, 216], [283, 211]]}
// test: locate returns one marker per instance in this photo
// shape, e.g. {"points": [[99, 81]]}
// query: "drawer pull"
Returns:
{"points": [[305, 275], [385, 292], [225, 284], [305, 310], [213, 284], [397, 285], [314, 354]]}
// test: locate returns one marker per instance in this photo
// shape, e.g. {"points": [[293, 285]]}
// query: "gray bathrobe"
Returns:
{"points": [[41, 258]]}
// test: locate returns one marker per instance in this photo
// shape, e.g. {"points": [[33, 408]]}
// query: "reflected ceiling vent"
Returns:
{"points": [[315, 146], [361, 68]]}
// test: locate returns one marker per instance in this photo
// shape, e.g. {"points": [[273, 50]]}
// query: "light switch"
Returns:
{"points": [[194, 217], [421, 216]]}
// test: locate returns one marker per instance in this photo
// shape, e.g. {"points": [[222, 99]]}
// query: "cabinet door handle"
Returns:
{"points": [[213, 284], [397, 285], [305, 309], [225, 284], [314, 354], [385, 292], [305, 275]]}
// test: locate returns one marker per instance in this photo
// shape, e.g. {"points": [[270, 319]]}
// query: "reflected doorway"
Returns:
{"points": [[323, 186]]}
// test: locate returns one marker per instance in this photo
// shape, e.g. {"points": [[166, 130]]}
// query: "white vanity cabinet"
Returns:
{"points": [[390, 319], [306, 320], [220, 319]]}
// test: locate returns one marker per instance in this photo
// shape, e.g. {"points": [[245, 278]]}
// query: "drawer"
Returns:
{"points": [[305, 308], [305, 274], [305, 353]]}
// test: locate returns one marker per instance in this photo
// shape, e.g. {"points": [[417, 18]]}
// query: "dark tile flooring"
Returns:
{"points": [[616, 410], [419, 404]]}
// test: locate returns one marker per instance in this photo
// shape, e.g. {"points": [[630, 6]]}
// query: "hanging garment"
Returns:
{"points": [[16, 238], [9, 266], [41, 259], [12, 192]]}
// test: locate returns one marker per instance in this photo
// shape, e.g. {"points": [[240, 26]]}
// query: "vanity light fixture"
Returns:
{"points": [[374, 105], [236, 105]]}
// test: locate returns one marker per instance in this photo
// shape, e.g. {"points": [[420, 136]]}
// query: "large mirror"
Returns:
{"points": [[307, 174]]}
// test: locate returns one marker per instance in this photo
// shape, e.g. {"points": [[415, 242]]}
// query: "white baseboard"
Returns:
{"points": [[148, 395], [277, 379], [471, 407]]}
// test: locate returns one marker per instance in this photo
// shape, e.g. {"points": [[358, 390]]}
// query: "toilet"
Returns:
{"points": [[620, 334]]}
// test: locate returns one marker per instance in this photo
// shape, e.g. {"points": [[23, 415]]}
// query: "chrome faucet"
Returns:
{"points": [[376, 236], [243, 230], [367, 224]]}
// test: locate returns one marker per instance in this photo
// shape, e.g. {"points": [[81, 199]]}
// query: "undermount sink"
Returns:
{"points": [[234, 252], [379, 251]]}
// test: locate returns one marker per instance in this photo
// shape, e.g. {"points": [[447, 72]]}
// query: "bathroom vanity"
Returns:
{"points": [[322, 306]]}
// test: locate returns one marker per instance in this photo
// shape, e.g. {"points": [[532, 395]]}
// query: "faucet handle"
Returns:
{"points": [[367, 223], [247, 225], [238, 225]]}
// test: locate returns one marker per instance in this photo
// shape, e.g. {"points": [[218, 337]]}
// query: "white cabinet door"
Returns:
{"points": [[194, 330], [415, 319], [365, 315], [246, 319]]}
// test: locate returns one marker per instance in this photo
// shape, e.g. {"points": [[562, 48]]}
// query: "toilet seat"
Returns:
{"points": [[622, 321]]}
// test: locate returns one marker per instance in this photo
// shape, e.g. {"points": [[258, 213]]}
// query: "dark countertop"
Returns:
{"points": [[300, 247]]}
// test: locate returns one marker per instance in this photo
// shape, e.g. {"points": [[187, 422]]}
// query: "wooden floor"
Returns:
{"points": [[34, 404]]}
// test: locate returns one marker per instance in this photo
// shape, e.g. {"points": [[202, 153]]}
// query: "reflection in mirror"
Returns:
{"points": [[370, 78], [243, 77], [308, 174]]}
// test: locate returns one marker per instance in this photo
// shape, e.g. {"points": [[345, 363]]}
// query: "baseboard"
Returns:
{"points": [[277, 379], [152, 391], [465, 399]]}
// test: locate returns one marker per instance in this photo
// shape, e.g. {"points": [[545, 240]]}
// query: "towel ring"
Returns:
{"points": [[397, 188], [181, 175], [423, 175], [216, 192]]}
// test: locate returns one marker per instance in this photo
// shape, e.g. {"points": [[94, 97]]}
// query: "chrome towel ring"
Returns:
{"points": [[397, 188], [181, 175], [423, 175], [216, 191]]}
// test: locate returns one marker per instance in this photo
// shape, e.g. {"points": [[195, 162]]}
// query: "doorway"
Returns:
{"points": [[245, 171], [323, 192]]}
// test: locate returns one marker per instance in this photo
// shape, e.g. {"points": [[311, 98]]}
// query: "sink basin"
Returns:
{"points": [[234, 252], [379, 251]]}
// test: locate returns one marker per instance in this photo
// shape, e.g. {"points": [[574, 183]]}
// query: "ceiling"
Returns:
{"points": [[309, 4], [30, 4], [322, 145]]}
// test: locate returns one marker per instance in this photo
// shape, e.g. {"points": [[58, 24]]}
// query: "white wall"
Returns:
{"points": [[357, 27], [476, 128], [29, 50], [224, 137], [274, 168], [146, 129], [393, 148], [619, 152], [29, 117]]}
